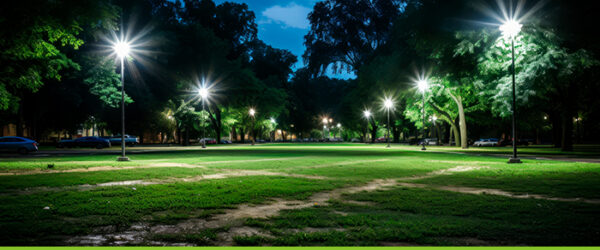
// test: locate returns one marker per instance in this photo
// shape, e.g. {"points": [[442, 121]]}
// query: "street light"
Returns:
{"points": [[367, 114], [510, 29], [252, 112], [325, 121], [339, 127], [203, 92], [388, 104], [122, 48], [423, 85], [433, 119]]}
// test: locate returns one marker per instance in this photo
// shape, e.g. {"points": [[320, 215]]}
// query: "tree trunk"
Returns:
{"points": [[556, 130], [373, 131], [216, 122], [462, 122], [567, 132], [450, 120]]}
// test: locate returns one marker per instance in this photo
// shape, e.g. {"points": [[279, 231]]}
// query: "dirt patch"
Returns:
{"points": [[102, 168], [344, 163], [226, 238], [223, 175], [448, 171], [256, 160], [480, 191]]}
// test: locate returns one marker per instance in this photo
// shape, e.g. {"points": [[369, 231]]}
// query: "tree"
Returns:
{"points": [[35, 38], [344, 34]]}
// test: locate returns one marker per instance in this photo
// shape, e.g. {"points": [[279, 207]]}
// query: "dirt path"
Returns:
{"points": [[151, 165], [222, 175], [481, 191]]}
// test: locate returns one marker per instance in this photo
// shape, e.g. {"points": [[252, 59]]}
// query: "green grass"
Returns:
{"points": [[417, 216], [398, 215]]}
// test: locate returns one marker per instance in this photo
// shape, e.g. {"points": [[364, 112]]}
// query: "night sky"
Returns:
{"points": [[283, 24]]}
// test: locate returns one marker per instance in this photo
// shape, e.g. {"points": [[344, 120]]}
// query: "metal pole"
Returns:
{"points": [[123, 157], [252, 129], [514, 158], [388, 127], [203, 128], [423, 128]]}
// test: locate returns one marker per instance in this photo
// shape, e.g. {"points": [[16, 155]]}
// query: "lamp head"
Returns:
{"points": [[122, 48], [388, 104], [252, 112], [203, 92], [510, 28], [367, 113], [422, 85], [272, 120], [339, 125]]}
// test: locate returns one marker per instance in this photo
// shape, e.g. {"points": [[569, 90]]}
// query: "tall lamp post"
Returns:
{"points": [[510, 29], [388, 104], [339, 130], [367, 114], [274, 128], [252, 112], [122, 49], [325, 121], [203, 92], [435, 135], [422, 84]]}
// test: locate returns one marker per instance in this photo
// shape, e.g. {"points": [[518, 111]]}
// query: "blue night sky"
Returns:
{"points": [[283, 24]]}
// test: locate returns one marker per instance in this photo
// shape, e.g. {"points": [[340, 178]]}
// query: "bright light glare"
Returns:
{"points": [[388, 103], [510, 28], [122, 48], [339, 125], [367, 113], [434, 118], [203, 92], [422, 85], [325, 120], [252, 112], [272, 120]]}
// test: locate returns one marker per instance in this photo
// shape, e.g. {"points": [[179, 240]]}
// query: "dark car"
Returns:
{"points": [[85, 142], [17, 144]]}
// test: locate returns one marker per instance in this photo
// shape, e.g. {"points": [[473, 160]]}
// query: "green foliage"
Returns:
{"points": [[35, 40], [103, 81]]}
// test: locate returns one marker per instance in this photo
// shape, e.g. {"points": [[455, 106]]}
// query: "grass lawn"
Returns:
{"points": [[300, 194]]}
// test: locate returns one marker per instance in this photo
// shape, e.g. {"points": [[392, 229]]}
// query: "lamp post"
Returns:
{"points": [[422, 84], [339, 130], [122, 49], [274, 129], [388, 104], [433, 119], [252, 112], [325, 121], [367, 114], [203, 92], [510, 29]]}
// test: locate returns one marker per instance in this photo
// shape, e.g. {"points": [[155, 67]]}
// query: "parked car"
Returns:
{"points": [[208, 140], [129, 140], [85, 142], [382, 139], [491, 142], [428, 141], [355, 140], [17, 144], [225, 141]]}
